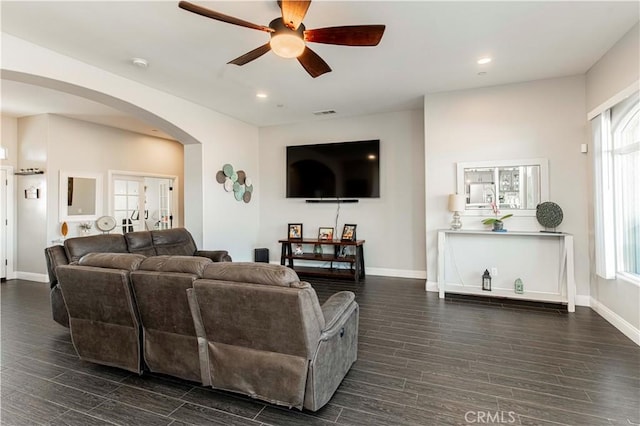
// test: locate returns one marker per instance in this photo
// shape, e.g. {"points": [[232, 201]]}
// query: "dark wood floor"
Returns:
{"points": [[422, 361]]}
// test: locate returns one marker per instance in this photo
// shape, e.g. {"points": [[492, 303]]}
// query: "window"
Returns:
{"points": [[617, 140]]}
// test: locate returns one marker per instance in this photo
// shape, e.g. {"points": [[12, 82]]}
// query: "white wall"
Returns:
{"points": [[393, 225], [216, 219], [9, 140], [616, 300], [80, 146], [54, 143], [615, 71], [31, 220], [543, 118]]}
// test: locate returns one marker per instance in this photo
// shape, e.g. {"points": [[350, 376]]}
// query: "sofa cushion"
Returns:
{"points": [[181, 264], [254, 273], [176, 241], [140, 242], [125, 261], [79, 246]]}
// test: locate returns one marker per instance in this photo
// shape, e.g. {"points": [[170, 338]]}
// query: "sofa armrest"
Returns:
{"points": [[215, 255], [335, 307], [55, 256]]}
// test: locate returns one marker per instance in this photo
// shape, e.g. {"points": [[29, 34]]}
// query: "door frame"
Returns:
{"points": [[10, 202], [174, 198]]}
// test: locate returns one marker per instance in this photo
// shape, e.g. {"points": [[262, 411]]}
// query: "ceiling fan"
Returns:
{"points": [[289, 36]]}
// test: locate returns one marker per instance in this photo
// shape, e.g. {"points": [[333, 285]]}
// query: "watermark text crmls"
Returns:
{"points": [[493, 417]]}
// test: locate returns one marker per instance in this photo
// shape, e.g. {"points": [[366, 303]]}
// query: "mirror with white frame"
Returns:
{"points": [[80, 196], [517, 186]]}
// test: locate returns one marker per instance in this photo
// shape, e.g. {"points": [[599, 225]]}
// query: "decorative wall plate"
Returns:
{"points": [[549, 214], [106, 223]]}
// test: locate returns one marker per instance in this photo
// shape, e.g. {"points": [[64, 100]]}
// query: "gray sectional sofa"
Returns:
{"points": [[251, 328], [177, 241]]}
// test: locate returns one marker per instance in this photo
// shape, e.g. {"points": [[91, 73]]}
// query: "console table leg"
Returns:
{"points": [[283, 253], [440, 270]]}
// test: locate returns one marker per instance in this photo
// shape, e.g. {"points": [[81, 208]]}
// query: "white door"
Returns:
{"points": [[128, 197], [159, 202]]}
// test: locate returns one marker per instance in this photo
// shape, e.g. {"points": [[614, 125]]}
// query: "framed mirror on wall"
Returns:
{"points": [[80, 196], [516, 186]]}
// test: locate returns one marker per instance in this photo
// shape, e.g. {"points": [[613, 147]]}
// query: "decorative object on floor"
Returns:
{"points": [[317, 250], [497, 222], [236, 182], [325, 233], [106, 224], [295, 231], [457, 204], [289, 36], [64, 229], [86, 227], [486, 280], [549, 215], [349, 232], [518, 286]]}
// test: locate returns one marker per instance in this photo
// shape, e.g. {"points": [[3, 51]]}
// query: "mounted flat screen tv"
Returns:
{"points": [[334, 170]]}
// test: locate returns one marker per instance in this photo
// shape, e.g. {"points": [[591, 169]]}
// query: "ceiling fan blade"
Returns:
{"points": [[293, 12], [313, 63], [354, 35], [203, 11], [250, 56]]}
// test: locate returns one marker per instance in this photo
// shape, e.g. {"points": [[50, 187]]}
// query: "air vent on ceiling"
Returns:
{"points": [[326, 112]]}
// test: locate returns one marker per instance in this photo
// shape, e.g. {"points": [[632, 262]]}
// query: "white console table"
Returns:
{"points": [[536, 252]]}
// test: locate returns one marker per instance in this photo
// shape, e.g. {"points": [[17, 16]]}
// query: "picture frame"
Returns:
{"points": [[298, 251], [349, 232], [295, 231], [325, 233]]}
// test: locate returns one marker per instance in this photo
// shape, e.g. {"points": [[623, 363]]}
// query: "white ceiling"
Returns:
{"points": [[427, 47]]}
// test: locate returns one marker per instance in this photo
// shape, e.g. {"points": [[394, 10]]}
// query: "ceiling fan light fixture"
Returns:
{"points": [[285, 42], [287, 45]]}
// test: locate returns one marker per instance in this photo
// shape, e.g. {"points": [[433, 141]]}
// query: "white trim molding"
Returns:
{"points": [[615, 99], [32, 276], [617, 321]]}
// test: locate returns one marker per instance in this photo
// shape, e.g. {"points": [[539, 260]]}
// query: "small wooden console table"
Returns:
{"points": [[355, 262]]}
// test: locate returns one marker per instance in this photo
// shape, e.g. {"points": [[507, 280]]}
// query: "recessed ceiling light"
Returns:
{"points": [[484, 61], [261, 95], [139, 62]]}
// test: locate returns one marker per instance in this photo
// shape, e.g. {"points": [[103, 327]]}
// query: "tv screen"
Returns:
{"points": [[334, 170]]}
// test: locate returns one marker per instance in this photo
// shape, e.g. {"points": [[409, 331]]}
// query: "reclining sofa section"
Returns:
{"points": [[177, 241], [251, 328]]}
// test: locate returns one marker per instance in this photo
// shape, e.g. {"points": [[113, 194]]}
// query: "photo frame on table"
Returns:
{"points": [[295, 231], [349, 232], [325, 233]]}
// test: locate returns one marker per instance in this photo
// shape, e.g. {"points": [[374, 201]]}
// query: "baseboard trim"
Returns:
{"points": [[397, 273], [381, 272], [617, 321], [31, 276], [431, 286]]}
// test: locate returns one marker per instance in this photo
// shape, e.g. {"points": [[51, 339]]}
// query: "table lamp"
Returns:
{"points": [[457, 203]]}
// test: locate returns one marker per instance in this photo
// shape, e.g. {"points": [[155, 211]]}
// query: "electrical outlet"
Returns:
{"points": [[494, 271]]}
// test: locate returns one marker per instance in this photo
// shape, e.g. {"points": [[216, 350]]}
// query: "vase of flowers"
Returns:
{"points": [[497, 222], [86, 227]]}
